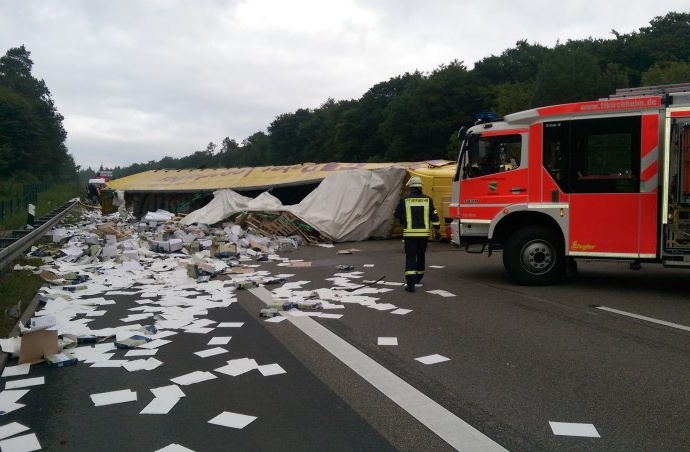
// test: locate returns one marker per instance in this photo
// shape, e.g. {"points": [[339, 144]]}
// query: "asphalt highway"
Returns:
{"points": [[598, 363]]}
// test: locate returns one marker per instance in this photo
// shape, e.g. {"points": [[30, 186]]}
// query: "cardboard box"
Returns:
{"points": [[63, 359], [174, 245], [37, 344]]}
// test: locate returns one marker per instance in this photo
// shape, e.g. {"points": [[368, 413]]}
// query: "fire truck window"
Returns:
{"points": [[490, 155], [594, 155]]}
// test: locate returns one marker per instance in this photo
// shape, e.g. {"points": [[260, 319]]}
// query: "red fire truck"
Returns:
{"points": [[605, 179]]}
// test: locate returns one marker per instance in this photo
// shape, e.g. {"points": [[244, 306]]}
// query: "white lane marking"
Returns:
{"points": [[648, 319], [456, 432], [573, 429]]}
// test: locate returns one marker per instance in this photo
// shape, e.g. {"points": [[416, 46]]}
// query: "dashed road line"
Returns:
{"points": [[645, 318], [456, 432]]}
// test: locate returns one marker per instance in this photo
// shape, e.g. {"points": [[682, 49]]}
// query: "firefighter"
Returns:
{"points": [[417, 214]]}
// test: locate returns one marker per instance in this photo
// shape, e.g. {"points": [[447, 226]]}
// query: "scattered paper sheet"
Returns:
{"points": [[276, 319], [112, 397], [110, 363], [211, 352], [229, 324], [330, 316], [174, 448], [401, 311], [193, 377], [24, 443], [172, 391], [432, 359], [24, 383], [271, 369], [199, 330], [160, 405], [136, 352], [234, 420], [155, 343], [442, 293], [383, 306], [574, 429], [388, 341], [219, 340], [12, 429], [13, 371], [237, 367]]}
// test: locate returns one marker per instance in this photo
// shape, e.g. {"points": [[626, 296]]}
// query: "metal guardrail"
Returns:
{"points": [[13, 247]]}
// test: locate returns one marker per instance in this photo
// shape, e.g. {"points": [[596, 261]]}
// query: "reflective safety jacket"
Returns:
{"points": [[417, 214]]}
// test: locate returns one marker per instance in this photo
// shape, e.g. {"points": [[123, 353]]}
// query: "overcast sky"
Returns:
{"points": [[138, 80]]}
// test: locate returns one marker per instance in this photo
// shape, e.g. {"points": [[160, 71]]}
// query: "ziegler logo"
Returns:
{"points": [[577, 246]]}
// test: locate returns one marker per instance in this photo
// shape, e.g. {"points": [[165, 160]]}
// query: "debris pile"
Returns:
{"points": [[175, 276]]}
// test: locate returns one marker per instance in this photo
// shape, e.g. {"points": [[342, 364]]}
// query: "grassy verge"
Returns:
{"points": [[20, 287], [17, 288], [47, 201]]}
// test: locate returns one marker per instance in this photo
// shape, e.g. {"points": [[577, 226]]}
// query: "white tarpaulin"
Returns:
{"points": [[347, 206], [228, 202], [350, 206]]}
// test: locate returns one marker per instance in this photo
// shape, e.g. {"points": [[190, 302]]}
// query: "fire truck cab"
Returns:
{"points": [[604, 179]]}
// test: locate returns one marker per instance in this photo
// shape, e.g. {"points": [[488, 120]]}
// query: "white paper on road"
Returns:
{"points": [[237, 367], [219, 340], [8, 407], [276, 319], [437, 266], [24, 443], [174, 447], [13, 371], [162, 334], [135, 317], [136, 352], [443, 293], [160, 405], [330, 316], [12, 429], [170, 391], [25, 382], [388, 341], [142, 364], [401, 311], [198, 330], [229, 324], [383, 306], [155, 343], [234, 420], [271, 369], [432, 359], [12, 396], [193, 377], [109, 363], [211, 352], [574, 429], [112, 397], [95, 313]]}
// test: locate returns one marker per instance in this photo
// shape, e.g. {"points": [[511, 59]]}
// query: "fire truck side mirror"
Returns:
{"points": [[462, 132]]}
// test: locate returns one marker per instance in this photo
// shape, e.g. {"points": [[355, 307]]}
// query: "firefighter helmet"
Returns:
{"points": [[414, 181]]}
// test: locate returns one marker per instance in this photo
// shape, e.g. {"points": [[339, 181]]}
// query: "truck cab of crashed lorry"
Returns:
{"points": [[606, 179]]}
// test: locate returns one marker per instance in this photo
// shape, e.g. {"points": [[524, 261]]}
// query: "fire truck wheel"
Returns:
{"points": [[534, 256]]}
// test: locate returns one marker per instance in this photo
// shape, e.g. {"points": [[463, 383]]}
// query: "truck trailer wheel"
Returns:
{"points": [[534, 256]]}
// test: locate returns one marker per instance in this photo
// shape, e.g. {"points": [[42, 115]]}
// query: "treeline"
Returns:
{"points": [[411, 117], [32, 137], [415, 116]]}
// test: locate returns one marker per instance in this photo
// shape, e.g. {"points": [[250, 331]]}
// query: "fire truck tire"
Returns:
{"points": [[534, 256]]}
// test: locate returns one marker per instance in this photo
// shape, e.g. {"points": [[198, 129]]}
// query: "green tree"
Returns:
{"points": [[667, 73], [32, 137]]}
